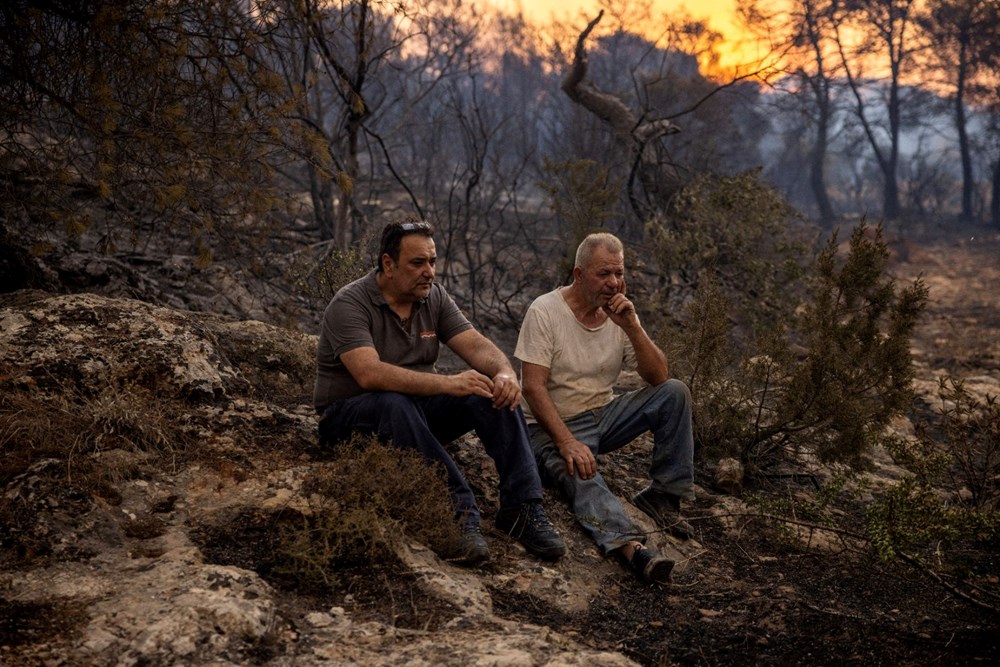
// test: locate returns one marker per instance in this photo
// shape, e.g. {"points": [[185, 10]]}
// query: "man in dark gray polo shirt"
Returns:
{"points": [[378, 344]]}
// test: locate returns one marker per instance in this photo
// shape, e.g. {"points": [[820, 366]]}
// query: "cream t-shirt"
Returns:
{"points": [[584, 363]]}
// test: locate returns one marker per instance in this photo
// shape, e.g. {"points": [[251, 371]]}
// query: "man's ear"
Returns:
{"points": [[386, 262]]}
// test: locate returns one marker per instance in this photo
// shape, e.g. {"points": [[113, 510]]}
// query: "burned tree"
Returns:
{"points": [[637, 134]]}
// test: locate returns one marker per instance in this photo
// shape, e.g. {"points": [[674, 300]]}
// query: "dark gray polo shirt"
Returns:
{"points": [[358, 316]]}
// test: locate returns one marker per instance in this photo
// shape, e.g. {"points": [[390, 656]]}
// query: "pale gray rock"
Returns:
{"points": [[129, 563]]}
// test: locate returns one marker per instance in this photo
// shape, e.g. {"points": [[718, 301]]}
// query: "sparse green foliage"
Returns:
{"points": [[817, 507], [915, 515], [949, 497], [583, 198], [136, 119], [321, 279], [827, 384], [702, 354], [735, 230], [970, 429], [362, 504], [806, 503], [856, 373]]}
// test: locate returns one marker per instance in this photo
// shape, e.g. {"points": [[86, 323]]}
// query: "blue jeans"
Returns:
{"points": [[666, 411], [424, 423]]}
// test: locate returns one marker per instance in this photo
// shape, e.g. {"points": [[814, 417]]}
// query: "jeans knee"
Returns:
{"points": [[674, 404], [483, 407], [679, 390], [674, 392], [393, 411], [391, 403]]}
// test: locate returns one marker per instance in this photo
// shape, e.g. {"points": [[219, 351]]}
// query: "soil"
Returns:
{"points": [[760, 602], [764, 601], [750, 595], [754, 596], [756, 600]]}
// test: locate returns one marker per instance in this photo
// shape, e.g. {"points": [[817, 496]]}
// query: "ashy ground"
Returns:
{"points": [[128, 551]]}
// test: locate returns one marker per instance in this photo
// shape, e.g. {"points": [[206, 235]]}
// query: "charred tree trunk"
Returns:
{"points": [[817, 171], [995, 195], [965, 151], [321, 194], [636, 135]]}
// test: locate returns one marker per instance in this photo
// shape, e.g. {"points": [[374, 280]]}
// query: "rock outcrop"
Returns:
{"points": [[163, 425]]}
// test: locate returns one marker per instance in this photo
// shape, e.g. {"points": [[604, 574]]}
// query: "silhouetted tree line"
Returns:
{"points": [[904, 93], [223, 124]]}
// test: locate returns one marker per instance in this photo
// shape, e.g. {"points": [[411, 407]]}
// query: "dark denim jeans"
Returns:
{"points": [[424, 423]]}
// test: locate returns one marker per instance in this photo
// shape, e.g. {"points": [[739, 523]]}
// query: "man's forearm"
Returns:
{"points": [[388, 377], [491, 361], [650, 361], [543, 409], [480, 353]]}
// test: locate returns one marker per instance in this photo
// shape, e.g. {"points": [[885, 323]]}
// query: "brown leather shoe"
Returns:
{"points": [[651, 566]]}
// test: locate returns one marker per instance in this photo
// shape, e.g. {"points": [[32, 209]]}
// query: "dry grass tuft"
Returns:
{"points": [[362, 504], [87, 445], [81, 430]]}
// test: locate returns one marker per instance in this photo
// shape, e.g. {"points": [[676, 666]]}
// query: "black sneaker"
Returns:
{"points": [[471, 547], [665, 509], [528, 524], [651, 566]]}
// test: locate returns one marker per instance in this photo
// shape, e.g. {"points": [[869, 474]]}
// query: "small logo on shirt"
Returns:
{"points": [[427, 335]]}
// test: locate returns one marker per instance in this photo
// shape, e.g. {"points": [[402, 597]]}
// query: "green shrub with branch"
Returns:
{"points": [[317, 278], [970, 432], [913, 521], [913, 514], [736, 232], [950, 494], [826, 383]]}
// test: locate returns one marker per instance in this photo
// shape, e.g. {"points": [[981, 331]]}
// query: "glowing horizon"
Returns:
{"points": [[737, 48]]}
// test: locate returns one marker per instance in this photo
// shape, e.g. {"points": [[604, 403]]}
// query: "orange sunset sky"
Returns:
{"points": [[719, 14]]}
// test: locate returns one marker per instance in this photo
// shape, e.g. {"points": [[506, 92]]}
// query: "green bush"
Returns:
{"points": [[319, 279], [737, 232], [917, 515], [970, 431], [825, 382], [949, 496]]}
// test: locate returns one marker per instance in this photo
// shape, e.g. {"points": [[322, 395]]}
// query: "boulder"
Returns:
{"points": [[161, 424]]}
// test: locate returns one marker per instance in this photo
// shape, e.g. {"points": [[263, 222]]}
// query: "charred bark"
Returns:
{"points": [[638, 136]]}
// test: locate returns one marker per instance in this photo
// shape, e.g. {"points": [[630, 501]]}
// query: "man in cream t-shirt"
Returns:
{"points": [[573, 345]]}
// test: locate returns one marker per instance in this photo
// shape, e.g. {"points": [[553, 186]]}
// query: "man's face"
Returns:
{"points": [[410, 279], [603, 277]]}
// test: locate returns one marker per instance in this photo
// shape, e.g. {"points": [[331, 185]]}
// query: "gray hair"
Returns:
{"points": [[598, 239]]}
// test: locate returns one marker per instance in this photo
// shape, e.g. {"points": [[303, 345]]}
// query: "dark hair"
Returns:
{"points": [[393, 233]]}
